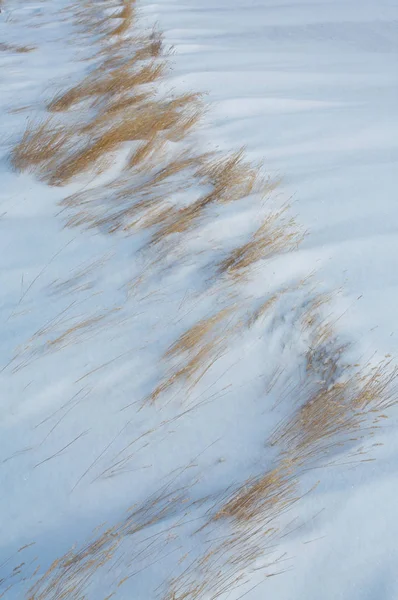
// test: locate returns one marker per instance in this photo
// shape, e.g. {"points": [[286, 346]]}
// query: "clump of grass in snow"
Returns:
{"points": [[39, 144], [15, 48], [230, 179], [272, 237], [103, 84], [126, 17], [140, 197], [342, 401], [262, 498], [196, 350], [146, 122]]}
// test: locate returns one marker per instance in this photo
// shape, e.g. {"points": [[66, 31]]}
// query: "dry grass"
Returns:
{"points": [[39, 144], [335, 414], [79, 280], [70, 577], [15, 48], [146, 122], [124, 114], [126, 205], [103, 84], [262, 498], [126, 17], [197, 350], [230, 179], [80, 328], [265, 306], [272, 237], [64, 330]]}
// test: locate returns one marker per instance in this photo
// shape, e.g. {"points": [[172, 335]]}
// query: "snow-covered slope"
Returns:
{"points": [[310, 89]]}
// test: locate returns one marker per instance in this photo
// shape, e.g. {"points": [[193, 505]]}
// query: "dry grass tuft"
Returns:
{"points": [[102, 84], [15, 48], [230, 179], [136, 205], [272, 237], [335, 414], [39, 145], [126, 17], [265, 307], [145, 122], [197, 350], [264, 497]]}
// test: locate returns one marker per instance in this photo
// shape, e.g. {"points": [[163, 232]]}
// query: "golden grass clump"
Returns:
{"points": [[197, 350], [145, 122], [230, 179], [118, 51], [39, 145], [272, 237], [334, 415], [103, 83], [135, 205], [263, 497], [126, 16]]}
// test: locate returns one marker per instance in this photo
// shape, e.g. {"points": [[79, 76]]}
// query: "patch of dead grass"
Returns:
{"points": [[71, 576], [336, 414], [103, 83], [263, 497], [126, 17], [144, 123], [272, 237], [230, 179], [196, 350], [39, 144], [136, 205], [15, 48]]}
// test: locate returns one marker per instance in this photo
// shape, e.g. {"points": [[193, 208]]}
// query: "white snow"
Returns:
{"points": [[311, 88]]}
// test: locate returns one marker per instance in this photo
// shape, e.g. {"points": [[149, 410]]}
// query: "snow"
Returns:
{"points": [[311, 89]]}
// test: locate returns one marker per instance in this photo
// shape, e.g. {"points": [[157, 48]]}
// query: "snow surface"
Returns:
{"points": [[312, 89]]}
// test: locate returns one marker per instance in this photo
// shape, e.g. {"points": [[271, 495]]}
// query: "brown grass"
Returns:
{"points": [[272, 237], [69, 577], [230, 179], [143, 123], [135, 205], [335, 414], [196, 350], [126, 17], [101, 84], [15, 48], [39, 144], [263, 497]]}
